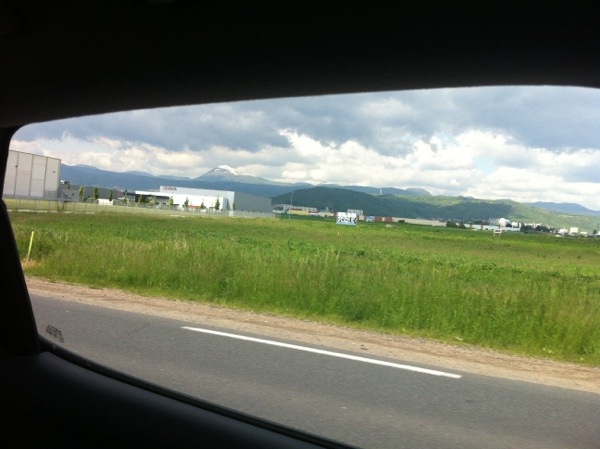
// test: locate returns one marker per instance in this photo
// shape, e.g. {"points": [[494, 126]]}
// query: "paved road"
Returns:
{"points": [[380, 404]]}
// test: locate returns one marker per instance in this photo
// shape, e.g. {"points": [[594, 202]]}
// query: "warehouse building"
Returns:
{"points": [[77, 193], [226, 200], [31, 176]]}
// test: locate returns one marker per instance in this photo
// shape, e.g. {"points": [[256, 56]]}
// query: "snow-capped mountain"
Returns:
{"points": [[227, 173], [223, 169]]}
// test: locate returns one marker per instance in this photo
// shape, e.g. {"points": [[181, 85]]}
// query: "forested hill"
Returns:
{"points": [[432, 207]]}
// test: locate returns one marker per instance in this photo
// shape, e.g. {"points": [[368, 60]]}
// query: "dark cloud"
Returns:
{"points": [[554, 118], [388, 122]]}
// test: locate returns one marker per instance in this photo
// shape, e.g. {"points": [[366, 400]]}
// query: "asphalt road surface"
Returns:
{"points": [[349, 397]]}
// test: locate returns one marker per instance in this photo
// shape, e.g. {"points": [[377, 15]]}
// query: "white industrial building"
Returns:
{"points": [[206, 199], [31, 176]]}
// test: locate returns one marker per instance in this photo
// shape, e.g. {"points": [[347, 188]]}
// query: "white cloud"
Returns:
{"points": [[525, 185], [430, 164]]}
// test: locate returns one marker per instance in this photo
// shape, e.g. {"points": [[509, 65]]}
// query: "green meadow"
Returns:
{"points": [[528, 294]]}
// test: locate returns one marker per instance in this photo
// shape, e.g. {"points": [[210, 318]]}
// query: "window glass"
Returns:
{"points": [[393, 269]]}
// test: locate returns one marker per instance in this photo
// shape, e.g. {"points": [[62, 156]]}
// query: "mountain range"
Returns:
{"points": [[566, 208], [443, 208], [387, 201], [222, 177]]}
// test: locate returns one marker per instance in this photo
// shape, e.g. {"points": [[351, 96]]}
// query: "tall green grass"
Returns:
{"points": [[537, 295]]}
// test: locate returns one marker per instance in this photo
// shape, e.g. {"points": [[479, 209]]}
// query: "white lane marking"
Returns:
{"points": [[329, 353]]}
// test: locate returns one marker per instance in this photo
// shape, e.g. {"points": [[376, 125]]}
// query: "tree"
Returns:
{"points": [[453, 224], [526, 228], [96, 194], [202, 206], [217, 204], [81, 193], [171, 202], [110, 196], [186, 202]]}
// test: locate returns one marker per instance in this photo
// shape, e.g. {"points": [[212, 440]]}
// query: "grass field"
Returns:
{"points": [[529, 294]]}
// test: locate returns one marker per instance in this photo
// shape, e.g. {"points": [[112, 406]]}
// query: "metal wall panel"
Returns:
{"points": [[24, 166], [38, 173], [252, 203], [52, 180], [11, 174]]}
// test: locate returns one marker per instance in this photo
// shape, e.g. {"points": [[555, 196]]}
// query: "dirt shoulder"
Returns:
{"points": [[405, 349]]}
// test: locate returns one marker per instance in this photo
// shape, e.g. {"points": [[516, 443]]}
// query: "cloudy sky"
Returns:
{"points": [[522, 143]]}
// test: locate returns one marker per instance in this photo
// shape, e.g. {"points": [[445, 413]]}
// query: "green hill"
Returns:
{"points": [[434, 207]]}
